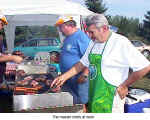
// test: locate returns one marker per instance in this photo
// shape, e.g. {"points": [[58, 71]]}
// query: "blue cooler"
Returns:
{"points": [[137, 107], [138, 100]]}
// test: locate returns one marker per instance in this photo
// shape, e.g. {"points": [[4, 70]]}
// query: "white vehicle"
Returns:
{"points": [[143, 48]]}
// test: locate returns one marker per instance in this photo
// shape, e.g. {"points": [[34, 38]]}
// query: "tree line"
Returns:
{"points": [[130, 27]]}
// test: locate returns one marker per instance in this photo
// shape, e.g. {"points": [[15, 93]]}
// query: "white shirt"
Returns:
{"points": [[119, 55]]}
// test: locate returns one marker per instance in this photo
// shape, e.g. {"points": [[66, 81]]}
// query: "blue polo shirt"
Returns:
{"points": [[73, 49]]}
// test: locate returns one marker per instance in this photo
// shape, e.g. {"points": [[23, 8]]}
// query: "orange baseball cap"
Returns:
{"points": [[63, 19], [3, 18]]}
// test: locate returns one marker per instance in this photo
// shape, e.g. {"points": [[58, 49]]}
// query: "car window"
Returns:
{"points": [[31, 43], [54, 42], [137, 43], [44, 32], [43, 43], [50, 42]]}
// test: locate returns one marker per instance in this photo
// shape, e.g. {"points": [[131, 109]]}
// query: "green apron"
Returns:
{"points": [[101, 93]]}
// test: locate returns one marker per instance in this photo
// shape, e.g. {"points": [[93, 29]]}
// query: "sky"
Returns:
{"points": [[128, 8]]}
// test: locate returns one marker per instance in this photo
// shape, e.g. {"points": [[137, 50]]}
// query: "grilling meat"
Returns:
{"points": [[23, 82], [34, 83], [28, 78], [41, 78], [21, 73], [48, 82]]}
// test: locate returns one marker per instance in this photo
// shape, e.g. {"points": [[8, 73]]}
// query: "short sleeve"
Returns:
{"points": [[84, 60], [83, 43], [134, 57]]}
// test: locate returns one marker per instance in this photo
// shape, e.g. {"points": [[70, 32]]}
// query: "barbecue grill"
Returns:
{"points": [[32, 92]]}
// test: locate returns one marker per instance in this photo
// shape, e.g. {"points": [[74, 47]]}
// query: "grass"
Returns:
{"points": [[143, 83]]}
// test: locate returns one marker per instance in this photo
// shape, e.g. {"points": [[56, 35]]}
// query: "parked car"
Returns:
{"points": [[33, 46], [143, 48]]}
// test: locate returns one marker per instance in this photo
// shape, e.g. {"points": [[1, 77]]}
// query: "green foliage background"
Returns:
{"points": [[130, 27]]}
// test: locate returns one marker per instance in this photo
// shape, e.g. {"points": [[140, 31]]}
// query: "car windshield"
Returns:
{"points": [[26, 33], [137, 43]]}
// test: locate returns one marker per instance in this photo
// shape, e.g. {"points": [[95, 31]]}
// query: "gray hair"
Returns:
{"points": [[98, 20]]}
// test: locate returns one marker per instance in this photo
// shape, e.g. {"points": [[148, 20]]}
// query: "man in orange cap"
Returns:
{"points": [[74, 47], [3, 57]]}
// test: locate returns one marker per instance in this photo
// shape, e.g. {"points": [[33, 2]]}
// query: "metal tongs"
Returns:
{"points": [[129, 96]]}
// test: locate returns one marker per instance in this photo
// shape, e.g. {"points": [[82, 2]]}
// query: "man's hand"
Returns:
{"points": [[16, 58], [122, 91], [13, 58], [58, 81]]}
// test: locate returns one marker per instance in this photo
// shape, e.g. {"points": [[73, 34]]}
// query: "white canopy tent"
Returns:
{"points": [[37, 12]]}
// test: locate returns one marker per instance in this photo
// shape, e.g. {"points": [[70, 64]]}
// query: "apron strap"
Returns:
{"points": [[104, 45], [106, 42]]}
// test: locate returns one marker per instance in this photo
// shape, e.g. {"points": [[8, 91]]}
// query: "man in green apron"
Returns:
{"points": [[109, 57]]}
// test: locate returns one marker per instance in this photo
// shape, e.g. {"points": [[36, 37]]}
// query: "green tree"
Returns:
{"points": [[145, 27], [127, 26], [97, 6]]}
